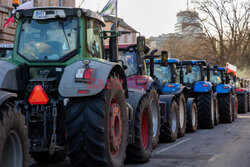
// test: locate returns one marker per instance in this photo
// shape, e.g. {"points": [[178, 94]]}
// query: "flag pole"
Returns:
{"points": [[116, 13]]}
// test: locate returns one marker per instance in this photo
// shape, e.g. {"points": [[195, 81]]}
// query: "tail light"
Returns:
{"points": [[88, 73], [225, 87], [170, 86], [38, 96], [205, 85], [84, 74]]}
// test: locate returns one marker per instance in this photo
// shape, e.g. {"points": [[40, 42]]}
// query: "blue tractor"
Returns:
{"points": [[192, 75], [226, 112]]}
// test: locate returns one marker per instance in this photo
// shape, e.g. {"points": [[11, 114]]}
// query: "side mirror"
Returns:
{"points": [[141, 43], [164, 58]]}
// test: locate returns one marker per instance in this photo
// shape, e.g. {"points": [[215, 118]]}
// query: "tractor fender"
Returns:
{"points": [[8, 76], [140, 82], [172, 88], [168, 100], [69, 87], [202, 86], [4, 95], [223, 88], [134, 97]]}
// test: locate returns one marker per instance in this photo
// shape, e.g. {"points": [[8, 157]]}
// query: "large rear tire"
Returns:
{"points": [[170, 128], [14, 149], [225, 108], [242, 103], [192, 117], [205, 105], [140, 150], [216, 112], [97, 129], [156, 116], [182, 114]]}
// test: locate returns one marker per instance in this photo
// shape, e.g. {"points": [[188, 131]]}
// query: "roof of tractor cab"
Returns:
{"points": [[193, 62], [169, 61], [68, 11]]}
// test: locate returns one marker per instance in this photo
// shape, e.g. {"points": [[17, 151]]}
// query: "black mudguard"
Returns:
{"points": [[167, 99], [134, 98], [4, 95]]}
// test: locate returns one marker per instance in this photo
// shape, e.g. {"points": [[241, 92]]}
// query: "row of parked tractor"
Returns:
{"points": [[63, 93]]}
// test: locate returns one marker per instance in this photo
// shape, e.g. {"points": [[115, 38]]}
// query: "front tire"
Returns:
{"points": [[216, 112], [205, 105], [140, 150], [97, 129], [170, 128], [14, 150], [156, 116], [192, 117], [182, 114]]}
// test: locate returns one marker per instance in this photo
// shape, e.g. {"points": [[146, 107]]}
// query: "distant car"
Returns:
{"points": [[6, 50]]}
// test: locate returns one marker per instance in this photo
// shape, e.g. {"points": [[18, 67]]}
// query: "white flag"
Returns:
{"points": [[110, 8]]}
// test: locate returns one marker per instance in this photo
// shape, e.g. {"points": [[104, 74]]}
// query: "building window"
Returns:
{"points": [[60, 2], [24, 1]]}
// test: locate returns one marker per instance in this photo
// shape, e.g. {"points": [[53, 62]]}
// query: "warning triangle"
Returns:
{"points": [[38, 96]]}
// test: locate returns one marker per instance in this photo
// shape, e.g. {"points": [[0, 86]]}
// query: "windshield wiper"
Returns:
{"points": [[65, 34]]}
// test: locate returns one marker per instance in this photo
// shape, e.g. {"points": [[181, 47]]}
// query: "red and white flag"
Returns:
{"points": [[8, 22], [231, 68]]}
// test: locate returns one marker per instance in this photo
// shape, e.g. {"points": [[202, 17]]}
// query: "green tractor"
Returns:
{"points": [[60, 96]]}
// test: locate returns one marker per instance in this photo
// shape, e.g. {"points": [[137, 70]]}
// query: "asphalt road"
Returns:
{"points": [[227, 145]]}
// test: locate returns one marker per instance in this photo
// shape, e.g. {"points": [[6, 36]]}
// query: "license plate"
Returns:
{"points": [[40, 15]]}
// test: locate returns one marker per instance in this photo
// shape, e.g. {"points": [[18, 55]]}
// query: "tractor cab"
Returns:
{"points": [[192, 74]]}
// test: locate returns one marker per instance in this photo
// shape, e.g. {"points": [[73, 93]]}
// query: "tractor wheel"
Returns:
{"points": [[216, 112], [242, 103], [192, 117], [235, 104], [169, 129], [44, 157], [225, 108], [182, 114], [156, 116], [140, 150], [205, 105], [97, 129], [14, 149]]}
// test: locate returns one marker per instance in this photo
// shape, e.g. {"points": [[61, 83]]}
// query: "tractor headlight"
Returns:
{"points": [[17, 15]]}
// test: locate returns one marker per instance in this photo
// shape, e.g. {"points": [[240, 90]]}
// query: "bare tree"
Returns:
{"points": [[226, 25]]}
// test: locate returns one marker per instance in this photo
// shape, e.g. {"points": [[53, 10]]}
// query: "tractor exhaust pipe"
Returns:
{"points": [[113, 44]]}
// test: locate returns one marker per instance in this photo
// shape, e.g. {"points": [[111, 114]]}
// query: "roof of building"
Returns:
{"points": [[122, 22]]}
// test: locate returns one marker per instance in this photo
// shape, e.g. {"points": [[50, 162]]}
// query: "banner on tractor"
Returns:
{"points": [[231, 68], [109, 8]]}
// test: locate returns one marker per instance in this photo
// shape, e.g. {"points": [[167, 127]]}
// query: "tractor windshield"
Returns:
{"points": [[163, 73], [215, 77], [192, 76], [129, 59], [47, 40]]}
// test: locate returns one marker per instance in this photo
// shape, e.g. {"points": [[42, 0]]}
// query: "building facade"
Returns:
{"points": [[7, 34], [123, 26], [188, 23]]}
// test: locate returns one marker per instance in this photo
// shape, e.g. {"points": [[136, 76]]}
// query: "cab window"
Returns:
{"points": [[94, 43]]}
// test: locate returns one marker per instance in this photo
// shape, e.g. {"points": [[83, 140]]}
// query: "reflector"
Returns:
{"points": [[38, 96]]}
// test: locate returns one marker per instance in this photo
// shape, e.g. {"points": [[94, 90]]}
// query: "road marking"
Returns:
{"points": [[216, 156], [167, 148]]}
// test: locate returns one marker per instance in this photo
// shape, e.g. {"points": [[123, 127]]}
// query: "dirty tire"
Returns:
{"points": [[13, 137], [156, 115], [235, 104], [225, 108], [182, 114], [44, 157], [242, 103], [88, 129], [192, 117], [140, 150], [216, 112], [205, 108], [169, 129]]}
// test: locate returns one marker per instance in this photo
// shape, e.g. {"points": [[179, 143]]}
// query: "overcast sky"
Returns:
{"points": [[149, 17]]}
